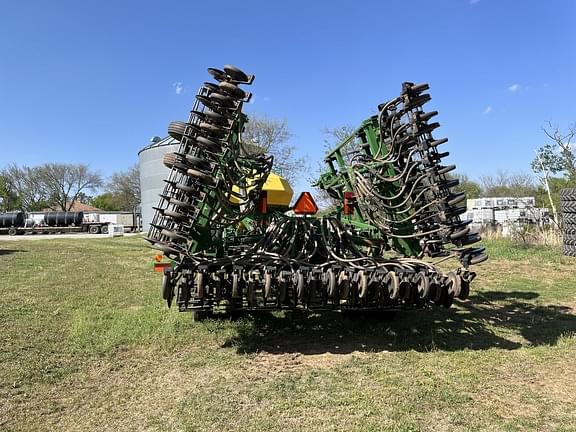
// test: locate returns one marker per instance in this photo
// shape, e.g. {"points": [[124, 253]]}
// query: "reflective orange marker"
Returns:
{"points": [[305, 204]]}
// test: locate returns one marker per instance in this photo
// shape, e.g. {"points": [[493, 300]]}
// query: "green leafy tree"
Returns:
{"points": [[470, 187], [8, 199], [556, 157], [107, 201]]}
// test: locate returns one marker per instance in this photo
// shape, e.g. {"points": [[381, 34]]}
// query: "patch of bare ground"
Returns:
{"points": [[266, 363]]}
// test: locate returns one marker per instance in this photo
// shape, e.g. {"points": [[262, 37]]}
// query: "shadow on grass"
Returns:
{"points": [[10, 251], [489, 320]]}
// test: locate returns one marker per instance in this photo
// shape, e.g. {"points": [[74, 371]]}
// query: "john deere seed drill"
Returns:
{"points": [[394, 216]]}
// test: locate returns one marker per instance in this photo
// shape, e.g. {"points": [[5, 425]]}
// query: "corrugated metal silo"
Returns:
{"points": [[152, 174]]}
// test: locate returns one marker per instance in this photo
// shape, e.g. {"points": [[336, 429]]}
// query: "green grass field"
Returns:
{"points": [[87, 344]]}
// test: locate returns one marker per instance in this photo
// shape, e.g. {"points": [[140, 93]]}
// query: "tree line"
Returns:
{"points": [[553, 168], [59, 186]]}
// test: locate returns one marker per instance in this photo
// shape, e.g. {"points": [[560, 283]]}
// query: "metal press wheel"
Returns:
{"points": [[267, 285], [331, 283], [300, 286]]}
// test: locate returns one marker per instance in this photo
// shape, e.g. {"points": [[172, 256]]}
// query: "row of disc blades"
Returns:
{"points": [[416, 198], [195, 167]]}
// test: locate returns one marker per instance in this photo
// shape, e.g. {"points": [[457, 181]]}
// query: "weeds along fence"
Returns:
{"points": [[525, 234]]}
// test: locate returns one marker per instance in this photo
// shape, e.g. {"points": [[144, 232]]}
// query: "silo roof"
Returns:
{"points": [[163, 142]]}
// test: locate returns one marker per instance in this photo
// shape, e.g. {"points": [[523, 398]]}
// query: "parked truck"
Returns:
{"points": [[14, 223]]}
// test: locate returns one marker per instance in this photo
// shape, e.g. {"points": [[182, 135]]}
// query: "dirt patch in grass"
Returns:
{"points": [[277, 363]]}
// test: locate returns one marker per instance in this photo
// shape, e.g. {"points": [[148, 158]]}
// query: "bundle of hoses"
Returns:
{"points": [[312, 263], [402, 187], [210, 167]]}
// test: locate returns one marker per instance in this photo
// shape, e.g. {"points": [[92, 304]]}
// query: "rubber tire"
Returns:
{"points": [[104, 229], [12, 231], [569, 218], [362, 285], [331, 290], [453, 284], [423, 284], [568, 194], [568, 206], [392, 284], [94, 229], [569, 250], [300, 286], [176, 129]]}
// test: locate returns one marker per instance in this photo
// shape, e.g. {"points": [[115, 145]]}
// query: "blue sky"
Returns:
{"points": [[91, 82]]}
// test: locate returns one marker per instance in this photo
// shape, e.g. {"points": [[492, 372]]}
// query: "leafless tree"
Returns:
{"points": [[273, 136], [125, 187], [25, 187], [508, 184], [63, 183]]}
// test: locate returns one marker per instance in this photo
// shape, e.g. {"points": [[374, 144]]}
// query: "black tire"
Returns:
{"points": [[423, 283], [94, 229], [568, 206], [176, 129], [569, 242], [104, 229], [569, 250], [569, 236], [12, 231], [568, 194], [569, 218]]}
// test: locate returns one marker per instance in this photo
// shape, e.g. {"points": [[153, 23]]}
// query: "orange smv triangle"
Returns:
{"points": [[305, 204]]}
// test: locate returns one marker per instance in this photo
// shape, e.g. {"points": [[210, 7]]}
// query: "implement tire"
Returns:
{"points": [[568, 194], [569, 218], [568, 206], [569, 250]]}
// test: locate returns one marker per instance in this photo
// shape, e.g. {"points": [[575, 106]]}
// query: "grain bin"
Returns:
{"points": [[152, 175]]}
